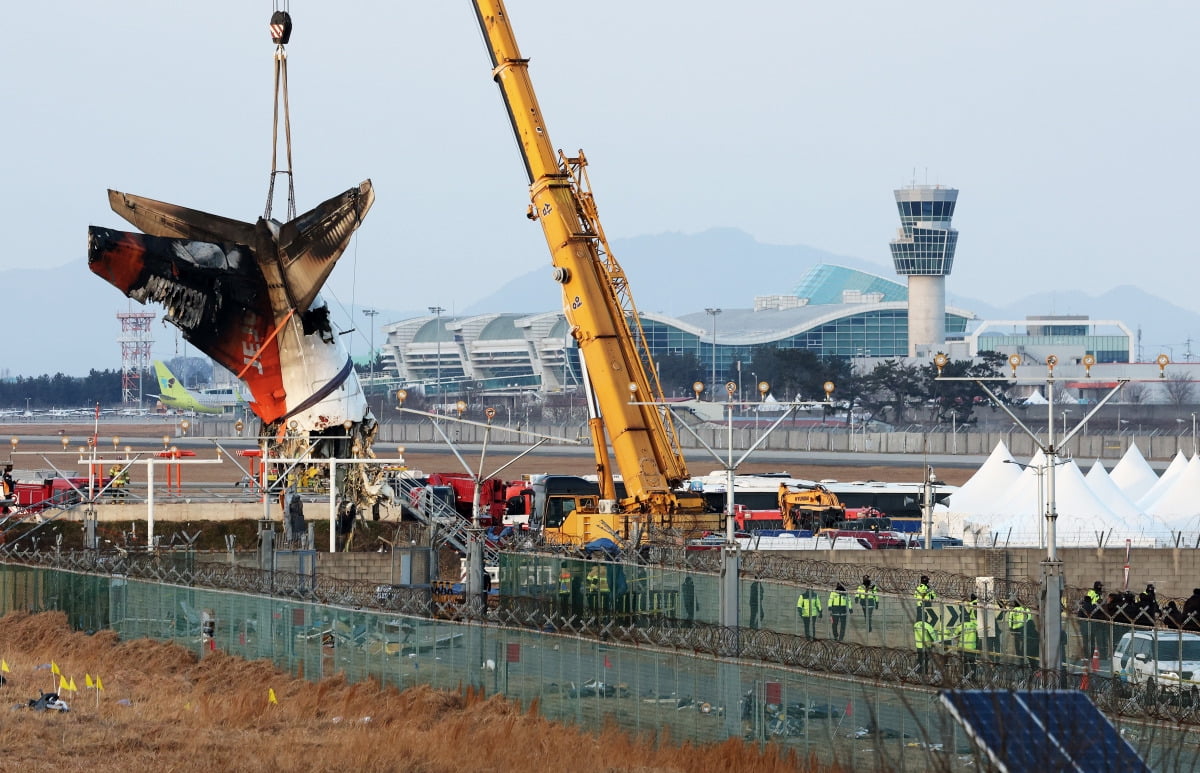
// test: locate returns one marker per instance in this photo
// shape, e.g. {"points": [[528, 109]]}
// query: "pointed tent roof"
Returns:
{"points": [[1179, 506], [1133, 474], [1035, 398], [991, 481], [770, 405], [1124, 508], [1081, 514], [1177, 466]]}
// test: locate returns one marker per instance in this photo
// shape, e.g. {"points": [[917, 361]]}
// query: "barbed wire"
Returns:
{"points": [[945, 668]]}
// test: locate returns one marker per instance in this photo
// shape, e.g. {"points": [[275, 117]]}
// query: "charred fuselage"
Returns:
{"points": [[248, 296]]}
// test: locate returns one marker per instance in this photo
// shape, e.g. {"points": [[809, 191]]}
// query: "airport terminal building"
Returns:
{"points": [[833, 310]]}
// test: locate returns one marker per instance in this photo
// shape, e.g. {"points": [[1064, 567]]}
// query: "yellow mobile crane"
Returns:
{"points": [[625, 397]]}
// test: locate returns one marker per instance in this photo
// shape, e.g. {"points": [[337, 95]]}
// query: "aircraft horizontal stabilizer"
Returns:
{"points": [[158, 218], [310, 245]]}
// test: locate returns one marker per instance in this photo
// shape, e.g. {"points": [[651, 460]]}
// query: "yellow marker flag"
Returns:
{"points": [[87, 681], [271, 696], [71, 685], [4, 666], [62, 683], [99, 684], [54, 669]]}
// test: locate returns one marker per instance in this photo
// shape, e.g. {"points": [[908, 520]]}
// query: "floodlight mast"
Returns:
{"points": [[1052, 570]]}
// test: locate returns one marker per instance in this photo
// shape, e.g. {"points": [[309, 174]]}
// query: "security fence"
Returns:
{"points": [[845, 703]]}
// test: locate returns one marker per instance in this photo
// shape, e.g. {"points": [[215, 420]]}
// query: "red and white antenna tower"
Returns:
{"points": [[135, 343]]}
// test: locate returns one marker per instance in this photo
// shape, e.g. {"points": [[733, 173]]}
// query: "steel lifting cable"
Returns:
{"points": [[281, 33]]}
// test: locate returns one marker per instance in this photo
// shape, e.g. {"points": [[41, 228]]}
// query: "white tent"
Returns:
{"points": [[1019, 519], [1035, 399], [770, 405], [1133, 474], [1179, 506], [990, 482], [1110, 494], [1176, 468]]}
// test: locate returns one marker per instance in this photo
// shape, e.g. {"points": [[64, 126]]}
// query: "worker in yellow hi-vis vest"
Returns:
{"points": [[1022, 623], [968, 640], [839, 607], [867, 598], [924, 636], [808, 609], [925, 597]]}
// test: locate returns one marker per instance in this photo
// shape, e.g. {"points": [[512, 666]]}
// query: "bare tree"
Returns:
{"points": [[1179, 389], [1133, 392]]}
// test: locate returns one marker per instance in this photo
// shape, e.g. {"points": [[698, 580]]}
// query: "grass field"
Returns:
{"points": [[162, 709]]}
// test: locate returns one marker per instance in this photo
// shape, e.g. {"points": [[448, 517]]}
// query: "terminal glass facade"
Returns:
{"points": [[1105, 348]]}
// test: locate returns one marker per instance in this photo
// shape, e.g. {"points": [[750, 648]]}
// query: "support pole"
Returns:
{"points": [[1052, 569], [728, 670], [150, 503], [333, 505]]}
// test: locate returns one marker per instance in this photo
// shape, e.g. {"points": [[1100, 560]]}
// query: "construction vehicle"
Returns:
{"points": [[624, 395], [461, 485], [809, 506]]}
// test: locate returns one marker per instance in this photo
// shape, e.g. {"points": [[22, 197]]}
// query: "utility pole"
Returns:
{"points": [[370, 314], [437, 312], [713, 312], [1052, 568]]}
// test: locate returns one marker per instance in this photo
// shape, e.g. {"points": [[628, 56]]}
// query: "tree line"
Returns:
{"points": [[63, 391], [890, 391]]}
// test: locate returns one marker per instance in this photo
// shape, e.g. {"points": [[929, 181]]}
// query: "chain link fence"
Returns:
{"points": [[635, 659]]}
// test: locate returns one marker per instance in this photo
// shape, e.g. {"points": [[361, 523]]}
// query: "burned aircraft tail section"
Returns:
{"points": [[213, 292], [158, 218], [310, 245], [307, 248]]}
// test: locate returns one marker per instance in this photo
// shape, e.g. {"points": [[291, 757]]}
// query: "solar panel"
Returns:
{"points": [[1049, 730], [1082, 731]]}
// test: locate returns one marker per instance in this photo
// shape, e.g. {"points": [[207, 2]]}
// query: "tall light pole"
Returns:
{"points": [[1050, 647], [370, 314], [742, 408], [930, 495], [1193, 434], [437, 312], [713, 312]]}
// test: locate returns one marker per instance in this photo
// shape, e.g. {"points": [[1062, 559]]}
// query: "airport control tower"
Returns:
{"points": [[923, 251]]}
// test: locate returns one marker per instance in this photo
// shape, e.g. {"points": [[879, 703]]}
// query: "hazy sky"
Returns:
{"points": [[1070, 127]]}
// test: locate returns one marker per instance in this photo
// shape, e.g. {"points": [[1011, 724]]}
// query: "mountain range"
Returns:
{"points": [[63, 319]]}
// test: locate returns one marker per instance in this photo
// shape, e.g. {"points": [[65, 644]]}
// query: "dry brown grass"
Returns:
{"points": [[165, 710]]}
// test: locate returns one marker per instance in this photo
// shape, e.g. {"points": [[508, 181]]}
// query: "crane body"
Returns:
{"points": [[626, 398]]}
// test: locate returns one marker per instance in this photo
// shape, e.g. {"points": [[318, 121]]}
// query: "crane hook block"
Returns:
{"points": [[281, 28]]}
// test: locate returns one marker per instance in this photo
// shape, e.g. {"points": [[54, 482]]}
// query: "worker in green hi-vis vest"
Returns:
{"points": [[808, 609]]}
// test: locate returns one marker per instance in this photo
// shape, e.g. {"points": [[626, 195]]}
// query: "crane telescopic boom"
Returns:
{"points": [[596, 301]]}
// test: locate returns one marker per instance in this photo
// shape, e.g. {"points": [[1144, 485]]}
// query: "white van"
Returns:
{"points": [[1166, 655]]}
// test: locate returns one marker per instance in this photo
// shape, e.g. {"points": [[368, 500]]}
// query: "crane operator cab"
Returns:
{"points": [[565, 508]]}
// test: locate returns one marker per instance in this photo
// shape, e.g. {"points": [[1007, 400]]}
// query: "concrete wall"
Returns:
{"points": [[1088, 446], [367, 567], [179, 512], [1174, 571]]}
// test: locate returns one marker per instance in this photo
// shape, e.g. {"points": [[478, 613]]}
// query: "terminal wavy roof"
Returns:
{"points": [[825, 288], [824, 284]]}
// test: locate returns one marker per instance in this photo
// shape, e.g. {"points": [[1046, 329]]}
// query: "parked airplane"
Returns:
{"points": [[176, 396]]}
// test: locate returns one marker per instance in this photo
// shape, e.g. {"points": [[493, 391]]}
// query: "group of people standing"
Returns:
{"points": [[840, 605], [1104, 618]]}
